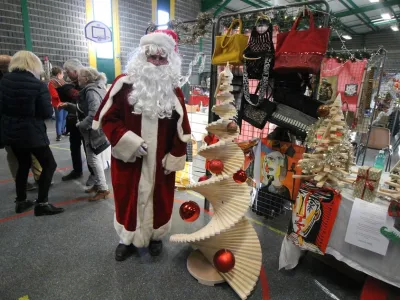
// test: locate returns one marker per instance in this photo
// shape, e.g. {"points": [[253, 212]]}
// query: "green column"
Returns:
{"points": [[26, 25]]}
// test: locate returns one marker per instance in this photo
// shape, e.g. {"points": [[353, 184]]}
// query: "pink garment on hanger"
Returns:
{"points": [[347, 73]]}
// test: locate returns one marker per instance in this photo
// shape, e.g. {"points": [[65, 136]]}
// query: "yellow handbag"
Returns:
{"points": [[229, 48]]}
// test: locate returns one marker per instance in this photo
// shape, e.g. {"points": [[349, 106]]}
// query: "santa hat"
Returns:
{"points": [[167, 39]]}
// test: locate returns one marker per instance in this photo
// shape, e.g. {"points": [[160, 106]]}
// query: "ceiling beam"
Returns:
{"points": [[366, 20], [263, 3], [381, 23], [393, 12], [252, 3], [358, 17], [209, 4], [366, 8], [221, 7]]}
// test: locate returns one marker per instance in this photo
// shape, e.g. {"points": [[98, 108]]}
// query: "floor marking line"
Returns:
{"points": [[3, 181], [325, 290], [60, 148]]}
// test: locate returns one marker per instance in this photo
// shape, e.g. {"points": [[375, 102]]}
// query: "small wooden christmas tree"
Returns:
{"points": [[394, 183], [330, 156]]}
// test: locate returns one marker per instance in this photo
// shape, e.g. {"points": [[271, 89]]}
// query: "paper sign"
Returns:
{"points": [[366, 220]]}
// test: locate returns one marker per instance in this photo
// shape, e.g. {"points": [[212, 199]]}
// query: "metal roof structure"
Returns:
{"points": [[358, 17]]}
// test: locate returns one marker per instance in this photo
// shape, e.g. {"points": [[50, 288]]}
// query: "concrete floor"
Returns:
{"points": [[71, 255]]}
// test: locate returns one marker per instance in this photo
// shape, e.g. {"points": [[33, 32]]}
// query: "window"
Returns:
{"points": [[162, 18], [102, 11]]}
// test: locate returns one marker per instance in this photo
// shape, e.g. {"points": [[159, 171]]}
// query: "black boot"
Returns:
{"points": [[46, 209], [22, 206], [123, 252], [155, 248], [71, 176]]}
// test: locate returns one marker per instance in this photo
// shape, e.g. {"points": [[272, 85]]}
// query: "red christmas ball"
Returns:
{"points": [[189, 211], [216, 166], [232, 127], [323, 111], [224, 261], [208, 139], [240, 176], [203, 178]]}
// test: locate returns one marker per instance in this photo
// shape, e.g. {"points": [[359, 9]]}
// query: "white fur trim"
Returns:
{"points": [[183, 137], [139, 236], [160, 39], [127, 146], [173, 163], [115, 89]]}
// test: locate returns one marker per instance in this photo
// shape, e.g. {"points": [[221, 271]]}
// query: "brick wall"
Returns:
{"points": [[57, 29], [11, 30], [187, 10], [134, 18]]}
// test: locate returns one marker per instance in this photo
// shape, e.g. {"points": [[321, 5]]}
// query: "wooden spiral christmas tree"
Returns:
{"points": [[331, 155], [228, 242]]}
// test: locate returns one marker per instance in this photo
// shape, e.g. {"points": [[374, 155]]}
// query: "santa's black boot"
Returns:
{"points": [[123, 252], [155, 248]]}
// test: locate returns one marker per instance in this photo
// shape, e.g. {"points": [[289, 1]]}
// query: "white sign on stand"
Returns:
{"points": [[366, 221]]}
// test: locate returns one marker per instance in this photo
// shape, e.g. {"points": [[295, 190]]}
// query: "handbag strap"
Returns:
{"points": [[262, 84], [296, 23], [230, 30]]}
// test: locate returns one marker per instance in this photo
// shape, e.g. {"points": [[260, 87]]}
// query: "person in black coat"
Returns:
{"points": [[25, 104]]}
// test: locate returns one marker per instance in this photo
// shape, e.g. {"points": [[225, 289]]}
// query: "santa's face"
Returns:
{"points": [[157, 60], [156, 72]]}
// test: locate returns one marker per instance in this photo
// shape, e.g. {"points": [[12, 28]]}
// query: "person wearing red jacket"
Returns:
{"points": [[144, 117], [57, 81]]}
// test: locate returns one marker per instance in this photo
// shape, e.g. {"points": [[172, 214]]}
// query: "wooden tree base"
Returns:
{"points": [[199, 267]]}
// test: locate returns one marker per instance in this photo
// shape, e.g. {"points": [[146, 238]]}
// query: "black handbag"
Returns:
{"points": [[258, 113], [259, 48], [97, 150], [256, 109]]}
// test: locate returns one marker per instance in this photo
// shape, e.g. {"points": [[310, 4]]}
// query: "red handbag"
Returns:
{"points": [[301, 51]]}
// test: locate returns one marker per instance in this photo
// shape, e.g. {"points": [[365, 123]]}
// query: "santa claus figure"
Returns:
{"points": [[144, 117]]}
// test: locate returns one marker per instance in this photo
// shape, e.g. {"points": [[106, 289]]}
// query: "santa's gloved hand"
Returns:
{"points": [[164, 162], [142, 151]]}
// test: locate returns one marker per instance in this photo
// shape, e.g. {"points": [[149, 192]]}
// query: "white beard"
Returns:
{"points": [[153, 93]]}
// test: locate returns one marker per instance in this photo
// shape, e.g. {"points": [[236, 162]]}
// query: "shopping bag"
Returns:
{"points": [[301, 50], [230, 48]]}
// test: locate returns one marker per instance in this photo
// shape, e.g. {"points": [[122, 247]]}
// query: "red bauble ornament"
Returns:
{"points": [[232, 127], [208, 139], [189, 211], [203, 178], [224, 260], [216, 166], [240, 176], [323, 111]]}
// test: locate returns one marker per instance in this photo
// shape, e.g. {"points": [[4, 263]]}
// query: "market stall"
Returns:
{"points": [[384, 267]]}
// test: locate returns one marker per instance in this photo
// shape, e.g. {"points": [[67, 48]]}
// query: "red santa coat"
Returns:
{"points": [[143, 194]]}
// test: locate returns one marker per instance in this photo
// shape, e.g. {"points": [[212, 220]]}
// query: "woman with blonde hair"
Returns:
{"points": [[25, 104], [93, 91]]}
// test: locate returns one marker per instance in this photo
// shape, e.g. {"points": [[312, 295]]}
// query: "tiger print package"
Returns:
{"points": [[313, 217]]}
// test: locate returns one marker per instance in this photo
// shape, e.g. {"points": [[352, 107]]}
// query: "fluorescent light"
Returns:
{"points": [[347, 37], [373, 1], [395, 28], [386, 16]]}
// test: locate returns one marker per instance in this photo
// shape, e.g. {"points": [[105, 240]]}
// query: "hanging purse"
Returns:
{"points": [[301, 50], [259, 48], [229, 48], [256, 109]]}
